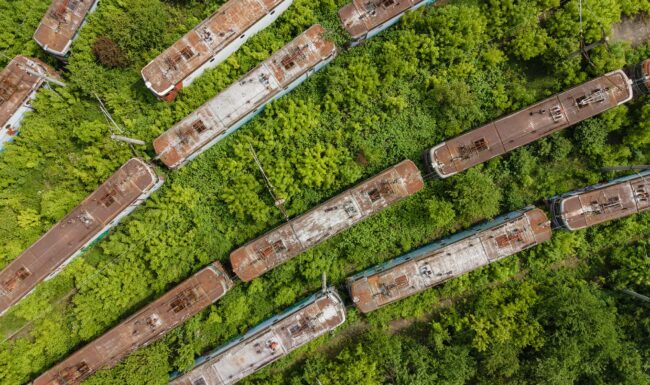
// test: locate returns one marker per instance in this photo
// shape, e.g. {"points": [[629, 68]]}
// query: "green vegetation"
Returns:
{"points": [[553, 314]]}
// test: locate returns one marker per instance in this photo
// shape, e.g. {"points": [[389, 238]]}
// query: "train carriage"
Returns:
{"points": [[602, 202], [363, 19], [326, 220], [268, 342], [209, 44], [61, 25], [122, 192], [529, 124], [19, 82], [440, 261], [235, 106], [144, 327]]}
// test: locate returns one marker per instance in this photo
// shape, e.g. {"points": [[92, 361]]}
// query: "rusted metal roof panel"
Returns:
{"points": [[603, 202], [231, 108], [18, 84], [231, 23], [61, 23], [125, 189], [440, 261], [531, 123], [268, 342], [326, 220], [142, 328], [362, 16]]}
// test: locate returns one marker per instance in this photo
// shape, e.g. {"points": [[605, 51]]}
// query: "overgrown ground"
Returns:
{"points": [[436, 74]]}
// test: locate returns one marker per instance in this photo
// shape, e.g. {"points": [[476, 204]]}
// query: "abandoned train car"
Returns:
{"points": [[529, 124], [267, 342], [61, 25], [602, 202], [122, 192], [19, 82], [364, 19], [144, 327], [326, 220], [208, 44], [448, 258], [235, 106]]}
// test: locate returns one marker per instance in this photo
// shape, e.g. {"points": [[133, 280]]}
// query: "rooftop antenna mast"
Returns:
{"points": [[114, 127], [279, 202], [584, 49]]}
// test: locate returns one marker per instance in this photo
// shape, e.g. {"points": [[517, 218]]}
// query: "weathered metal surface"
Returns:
{"points": [[531, 123], [229, 25], [144, 327], [231, 108], [125, 189], [61, 23], [640, 75], [267, 342], [602, 202], [326, 220], [362, 16], [440, 261], [18, 86]]}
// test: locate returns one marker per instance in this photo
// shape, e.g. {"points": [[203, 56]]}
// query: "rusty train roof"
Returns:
{"points": [[531, 123], [142, 328], [267, 342], [61, 23], [361, 16], [17, 84], [603, 202], [211, 121], [83, 223], [230, 22], [326, 220], [440, 261]]}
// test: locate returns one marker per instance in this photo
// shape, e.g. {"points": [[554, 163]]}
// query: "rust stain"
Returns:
{"points": [[326, 220]]}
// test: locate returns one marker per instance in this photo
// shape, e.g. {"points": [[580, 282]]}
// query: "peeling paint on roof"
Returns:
{"points": [[603, 202], [61, 23], [231, 108], [121, 192], [144, 327], [268, 342], [451, 257], [534, 122], [326, 220], [231, 24]]}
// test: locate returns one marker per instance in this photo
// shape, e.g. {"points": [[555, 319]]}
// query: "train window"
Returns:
{"points": [[401, 281], [265, 252], [289, 60], [185, 299], [349, 208], [171, 61], [278, 246], [374, 195], [20, 275], [199, 381], [109, 198], [425, 270], [480, 145], [187, 53], [199, 126]]}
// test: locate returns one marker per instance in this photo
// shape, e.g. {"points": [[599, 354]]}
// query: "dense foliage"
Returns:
{"points": [[554, 314]]}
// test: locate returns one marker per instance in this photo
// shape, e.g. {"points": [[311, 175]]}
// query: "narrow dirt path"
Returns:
{"points": [[634, 30]]}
